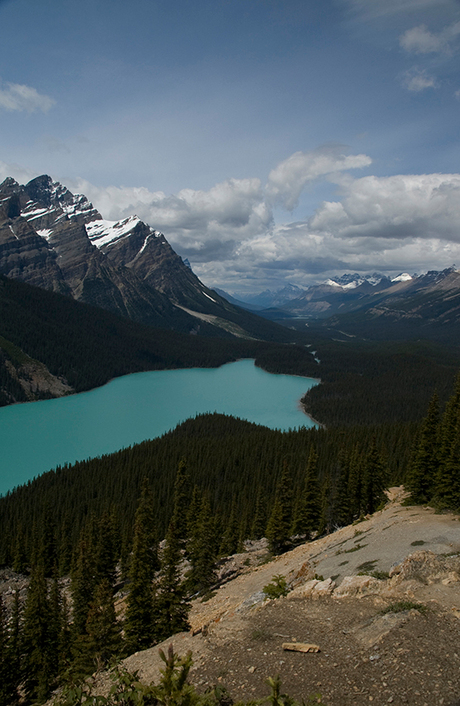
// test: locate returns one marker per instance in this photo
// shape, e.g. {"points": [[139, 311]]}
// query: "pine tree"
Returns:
{"points": [[342, 510], [38, 672], [181, 503], [202, 551], [171, 604], [355, 484], [102, 627], [308, 508], [106, 549], [259, 521], [280, 521], [140, 615], [326, 517], [425, 461], [83, 583], [8, 691], [277, 532], [14, 645], [374, 479], [446, 490], [229, 543]]}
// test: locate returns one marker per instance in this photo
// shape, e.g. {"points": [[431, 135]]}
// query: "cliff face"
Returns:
{"points": [[56, 240]]}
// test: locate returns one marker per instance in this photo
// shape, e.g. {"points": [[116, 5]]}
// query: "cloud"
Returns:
{"points": [[16, 96], [204, 225], [287, 181], [389, 224], [420, 40], [416, 80], [20, 174]]}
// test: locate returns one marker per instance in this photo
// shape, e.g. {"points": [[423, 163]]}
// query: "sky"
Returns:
{"points": [[271, 141]]}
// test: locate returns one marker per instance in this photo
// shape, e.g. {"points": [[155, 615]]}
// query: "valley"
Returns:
{"points": [[184, 529]]}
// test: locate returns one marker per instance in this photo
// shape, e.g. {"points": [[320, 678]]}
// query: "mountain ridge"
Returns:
{"points": [[56, 240]]}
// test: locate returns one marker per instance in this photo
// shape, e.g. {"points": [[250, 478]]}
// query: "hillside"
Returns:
{"points": [[365, 655], [51, 345]]}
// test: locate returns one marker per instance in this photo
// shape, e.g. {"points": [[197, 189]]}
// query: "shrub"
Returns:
{"points": [[277, 587]]}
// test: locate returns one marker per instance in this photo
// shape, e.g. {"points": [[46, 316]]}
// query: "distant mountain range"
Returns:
{"points": [[373, 305], [56, 240]]}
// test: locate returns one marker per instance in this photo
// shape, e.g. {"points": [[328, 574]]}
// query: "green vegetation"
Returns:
{"points": [[277, 587], [172, 689], [433, 474]]}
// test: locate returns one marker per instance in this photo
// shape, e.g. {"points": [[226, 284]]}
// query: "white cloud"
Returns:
{"points": [[287, 181], [21, 174], [402, 222], [404, 206], [420, 40], [16, 96], [417, 80], [202, 224]]}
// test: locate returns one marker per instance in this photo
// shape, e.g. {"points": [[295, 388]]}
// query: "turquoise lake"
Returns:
{"points": [[37, 436]]}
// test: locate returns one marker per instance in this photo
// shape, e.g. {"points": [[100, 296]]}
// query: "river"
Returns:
{"points": [[38, 436]]}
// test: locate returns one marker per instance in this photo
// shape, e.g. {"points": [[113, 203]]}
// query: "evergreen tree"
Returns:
{"points": [[280, 521], [102, 627], [181, 503], [342, 510], [83, 583], [326, 517], [355, 483], [277, 531], [229, 543], [424, 464], [446, 489], [14, 645], [259, 521], [140, 616], [374, 479], [37, 647], [171, 605], [308, 509], [106, 549], [8, 692], [202, 551]]}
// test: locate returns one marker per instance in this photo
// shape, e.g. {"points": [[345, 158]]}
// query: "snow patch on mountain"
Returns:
{"points": [[403, 277], [102, 232]]}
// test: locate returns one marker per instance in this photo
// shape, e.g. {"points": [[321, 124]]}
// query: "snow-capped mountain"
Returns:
{"points": [[57, 240]]}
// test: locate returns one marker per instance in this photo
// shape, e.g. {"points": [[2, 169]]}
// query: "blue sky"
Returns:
{"points": [[270, 140]]}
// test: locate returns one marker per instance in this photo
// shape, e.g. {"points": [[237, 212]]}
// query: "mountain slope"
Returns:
{"points": [[426, 307], [72, 346], [54, 239]]}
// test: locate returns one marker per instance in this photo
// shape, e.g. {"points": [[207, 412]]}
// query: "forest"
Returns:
{"points": [[128, 521], [147, 526]]}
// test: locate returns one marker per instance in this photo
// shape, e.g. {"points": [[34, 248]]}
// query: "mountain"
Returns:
{"points": [[427, 300], [427, 306], [52, 345], [54, 239], [272, 299]]}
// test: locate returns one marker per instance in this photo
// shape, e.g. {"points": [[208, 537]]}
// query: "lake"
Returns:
{"points": [[37, 436]]}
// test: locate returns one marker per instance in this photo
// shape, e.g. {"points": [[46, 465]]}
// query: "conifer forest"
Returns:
{"points": [[114, 548]]}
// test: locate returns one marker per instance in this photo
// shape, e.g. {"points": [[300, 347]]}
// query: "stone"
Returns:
{"points": [[358, 586], [300, 647]]}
